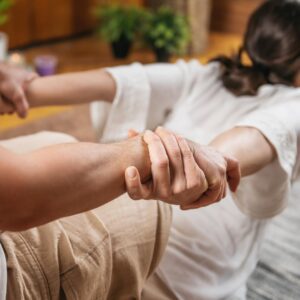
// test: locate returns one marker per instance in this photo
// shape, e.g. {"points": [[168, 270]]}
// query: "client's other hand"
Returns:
{"points": [[219, 169], [183, 172], [13, 82]]}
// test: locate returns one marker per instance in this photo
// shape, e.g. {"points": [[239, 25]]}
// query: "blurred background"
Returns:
{"points": [[56, 36]]}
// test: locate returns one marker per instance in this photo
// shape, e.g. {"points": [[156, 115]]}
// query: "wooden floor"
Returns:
{"points": [[89, 53]]}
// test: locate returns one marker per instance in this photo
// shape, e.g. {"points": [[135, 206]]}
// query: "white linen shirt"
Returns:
{"points": [[213, 250], [3, 274]]}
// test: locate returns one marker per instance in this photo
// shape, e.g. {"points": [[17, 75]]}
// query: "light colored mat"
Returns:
{"points": [[277, 276]]}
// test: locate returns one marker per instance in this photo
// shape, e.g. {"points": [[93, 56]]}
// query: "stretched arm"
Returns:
{"points": [[72, 88], [248, 145], [63, 180], [199, 173], [239, 151]]}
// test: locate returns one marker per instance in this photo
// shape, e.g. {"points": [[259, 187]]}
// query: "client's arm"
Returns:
{"points": [[248, 145], [218, 162], [72, 88], [63, 180], [205, 170]]}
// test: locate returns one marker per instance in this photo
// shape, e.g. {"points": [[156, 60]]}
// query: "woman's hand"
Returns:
{"points": [[189, 189], [219, 170], [176, 178], [13, 82]]}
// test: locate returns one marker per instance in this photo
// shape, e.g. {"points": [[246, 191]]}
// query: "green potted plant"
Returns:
{"points": [[167, 33], [119, 25], [4, 7]]}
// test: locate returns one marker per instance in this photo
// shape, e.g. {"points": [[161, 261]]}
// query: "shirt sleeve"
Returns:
{"points": [[144, 98], [280, 124]]}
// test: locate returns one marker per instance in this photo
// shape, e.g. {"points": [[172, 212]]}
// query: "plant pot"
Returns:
{"points": [[121, 47], [199, 15], [162, 55], [3, 46]]}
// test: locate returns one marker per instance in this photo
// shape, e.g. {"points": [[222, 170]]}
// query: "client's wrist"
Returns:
{"points": [[30, 91], [135, 153]]}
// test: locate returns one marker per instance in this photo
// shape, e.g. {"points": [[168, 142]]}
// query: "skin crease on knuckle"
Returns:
{"points": [[178, 188], [201, 182], [155, 138], [161, 163], [187, 154], [215, 182], [175, 153], [165, 193], [179, 183]]}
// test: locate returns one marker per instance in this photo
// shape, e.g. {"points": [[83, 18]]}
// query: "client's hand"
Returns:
{"points": [[174, 157], [219, 170], [12, 84], [176, 178]]}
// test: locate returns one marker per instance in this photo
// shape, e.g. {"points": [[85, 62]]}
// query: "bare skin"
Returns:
{"points": [[248, 146], [12, 95], [72, 88], [96, 172], [86, 86], [224, 161], [63, 180]]}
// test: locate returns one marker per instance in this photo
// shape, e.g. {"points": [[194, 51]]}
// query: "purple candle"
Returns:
{"points": [[45, 65]]}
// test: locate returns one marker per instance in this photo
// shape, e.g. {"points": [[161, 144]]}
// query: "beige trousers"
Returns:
{"points": [[107, 253]]}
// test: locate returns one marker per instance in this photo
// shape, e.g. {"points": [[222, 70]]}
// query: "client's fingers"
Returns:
{"points": [[175, 158], [211, 196], [135, 189], [159, 165], [213, 192]]}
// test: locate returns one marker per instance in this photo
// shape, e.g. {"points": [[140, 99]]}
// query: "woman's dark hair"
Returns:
{"points": [[272, 42]]}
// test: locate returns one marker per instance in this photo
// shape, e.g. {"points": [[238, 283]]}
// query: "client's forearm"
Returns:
{"points": [[72, 88], [248, 145], [68, 179]]}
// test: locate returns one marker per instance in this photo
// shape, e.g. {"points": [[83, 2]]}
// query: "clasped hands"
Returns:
{"points": [[13, 83], [183, 173]]}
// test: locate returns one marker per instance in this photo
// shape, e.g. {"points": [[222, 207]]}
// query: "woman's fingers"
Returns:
{"points": [[195, 178], [159, 165], [6, 107], [199, 175], [233, 173], [213, 191], [208, 199], [175, 159], [135, 189]]}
